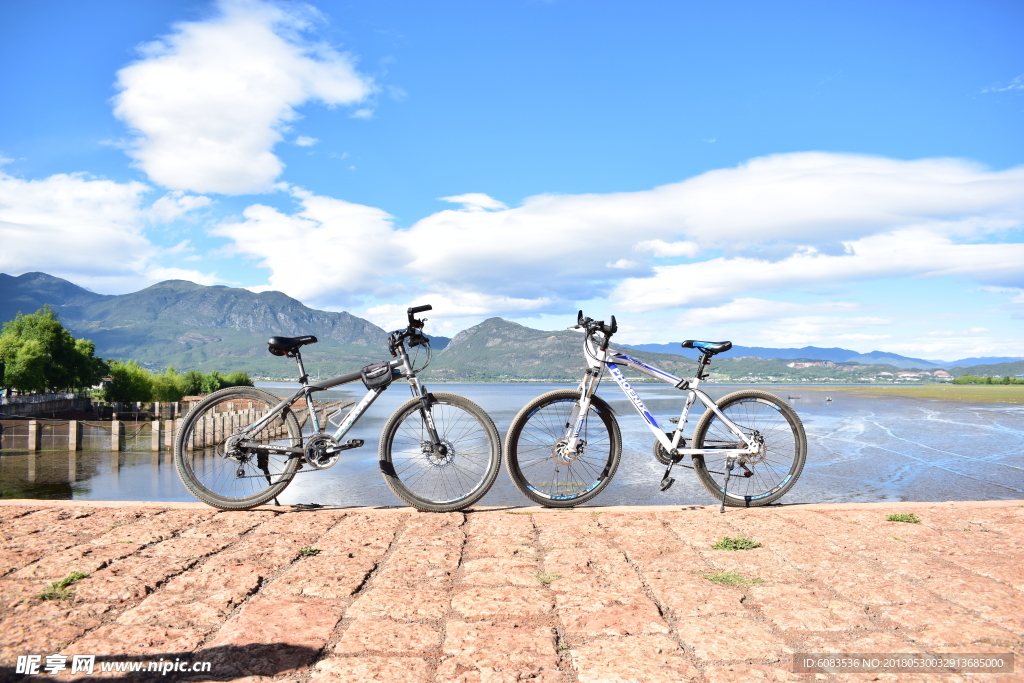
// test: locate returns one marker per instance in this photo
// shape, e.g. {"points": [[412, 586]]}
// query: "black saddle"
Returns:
{"points": [[710, 348], [287, 346]]}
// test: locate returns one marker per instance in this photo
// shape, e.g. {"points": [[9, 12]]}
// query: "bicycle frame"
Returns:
{"points": [[402, 364], [598, 358]]}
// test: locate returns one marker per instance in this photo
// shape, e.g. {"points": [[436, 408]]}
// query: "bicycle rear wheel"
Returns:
{"points": [[537, 467], [445, 480], [218, 472], [757, 479]]}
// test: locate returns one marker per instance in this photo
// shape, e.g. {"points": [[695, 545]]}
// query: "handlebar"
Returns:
{"points": [[418, 324], [591, 326]]}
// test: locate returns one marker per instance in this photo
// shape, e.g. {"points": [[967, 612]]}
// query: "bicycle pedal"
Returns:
{"points": [[353, 443], [666, 483]]}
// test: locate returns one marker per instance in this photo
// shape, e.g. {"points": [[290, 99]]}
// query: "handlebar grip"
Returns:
{"points": [[419, 309], [614, 327]]}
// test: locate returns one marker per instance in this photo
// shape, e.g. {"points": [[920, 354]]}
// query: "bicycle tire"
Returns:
{"points": [[530, 444], [440, 483], [774, 472], [244, 481]]}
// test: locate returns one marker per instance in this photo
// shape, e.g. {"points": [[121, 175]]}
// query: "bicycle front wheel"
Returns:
{"points": [[756, 479], [448, 478], [221, 473], [534, 457]]}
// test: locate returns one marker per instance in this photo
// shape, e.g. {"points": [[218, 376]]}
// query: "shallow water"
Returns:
{"points": [[860, 449]]}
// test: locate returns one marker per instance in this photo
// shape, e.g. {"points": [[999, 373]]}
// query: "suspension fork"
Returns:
{"points": [[426, 402], [579, 412]]}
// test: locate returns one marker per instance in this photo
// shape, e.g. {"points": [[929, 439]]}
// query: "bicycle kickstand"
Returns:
{"points": [[730, 462]]}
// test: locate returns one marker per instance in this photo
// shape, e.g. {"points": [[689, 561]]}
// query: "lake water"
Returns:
{"points": [[860, 449]]}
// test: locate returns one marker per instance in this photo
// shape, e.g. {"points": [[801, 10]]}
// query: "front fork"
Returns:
{"points": [[426, 402], [574, 425]]}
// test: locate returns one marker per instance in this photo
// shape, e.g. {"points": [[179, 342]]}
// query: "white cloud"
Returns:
{"points": [[305, 141], [88, 231], [453, 310], [903, 253], [788, 221], [1016, 84], [175, 205], [475, 201], [330, 250], [663, 248], [210, 100], [748, 309]]}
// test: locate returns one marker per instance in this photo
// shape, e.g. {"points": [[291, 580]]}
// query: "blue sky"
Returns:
{"points": [[779, 175]]}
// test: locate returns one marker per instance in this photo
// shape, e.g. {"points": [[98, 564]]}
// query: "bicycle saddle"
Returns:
{"points": [[710, 348], [279, 346]]}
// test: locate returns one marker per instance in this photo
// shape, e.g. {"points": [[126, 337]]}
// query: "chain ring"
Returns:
{"points": [[315, 453]]}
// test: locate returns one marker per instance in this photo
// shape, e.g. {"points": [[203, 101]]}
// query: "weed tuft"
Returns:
{"points": [[545, 578], [309, 551], [732, 579], [738, 543], [61, 590], [908, 518]]}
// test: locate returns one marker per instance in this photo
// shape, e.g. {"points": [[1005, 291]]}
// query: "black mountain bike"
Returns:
{"points": [[240, 447]]}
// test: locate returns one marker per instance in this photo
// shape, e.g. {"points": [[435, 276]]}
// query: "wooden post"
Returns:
{"points": [[33, 435], [74, 436], [116, 435], [154, 435], [169, 434]]}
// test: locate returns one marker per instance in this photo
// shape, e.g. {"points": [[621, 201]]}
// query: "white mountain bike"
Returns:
{"points": [[240, 447], [747, 449]]}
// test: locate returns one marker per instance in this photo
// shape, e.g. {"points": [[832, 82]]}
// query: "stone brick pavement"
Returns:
{"points": [[502, 595]]}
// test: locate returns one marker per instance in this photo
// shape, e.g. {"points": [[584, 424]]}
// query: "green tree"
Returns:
{"points": [[192, 383], [130, 383], [38, 354], [168, 386]]}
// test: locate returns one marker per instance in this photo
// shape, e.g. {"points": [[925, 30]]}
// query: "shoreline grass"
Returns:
{"points": [[976, 393]]}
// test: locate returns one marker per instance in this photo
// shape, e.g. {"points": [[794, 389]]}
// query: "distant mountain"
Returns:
{"points": [[190, 326], [836, 355], [187, 325], [498, 349]]}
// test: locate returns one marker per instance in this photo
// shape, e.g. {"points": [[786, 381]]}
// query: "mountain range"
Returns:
{"points": [[836, 355], [185, 325]]}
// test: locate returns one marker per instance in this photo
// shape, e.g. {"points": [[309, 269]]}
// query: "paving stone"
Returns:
{"points": [[303, 622], [498, 651], [151, 641], [377, 669], [491, 571], [85, 558], [727, 638], [608, 613], [652, 659], [325, 576], [231, 524], [401, 604], [45, 627], [936, 624], [809, 609], [197, 599], [383, 635], [687, 595], [482, 603], [752, 673], [129, 579]]}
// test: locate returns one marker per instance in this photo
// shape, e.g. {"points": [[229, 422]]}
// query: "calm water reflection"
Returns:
{"points": [[860, 449]]}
